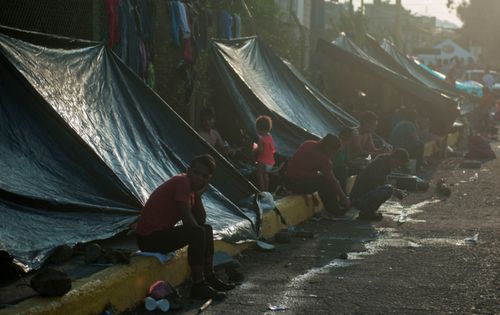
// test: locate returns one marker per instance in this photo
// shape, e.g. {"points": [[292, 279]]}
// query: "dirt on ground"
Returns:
{"points": [[429, 255]]}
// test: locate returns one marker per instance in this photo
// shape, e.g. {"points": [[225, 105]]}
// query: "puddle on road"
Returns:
{"points": [[372, 243], [385, 238], [402, 214]]}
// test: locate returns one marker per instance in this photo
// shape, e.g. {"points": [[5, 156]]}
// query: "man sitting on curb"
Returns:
{"points": [[177, 199], [310, 170], [370, 191]]}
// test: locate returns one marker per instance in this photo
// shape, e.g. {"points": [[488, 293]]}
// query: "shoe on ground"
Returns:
{"points": [[202, 291], [370, 216], [217, 284]]}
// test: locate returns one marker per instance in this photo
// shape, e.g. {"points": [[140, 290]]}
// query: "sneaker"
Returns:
{"points": [[218, 285], [202, 291], [370, 216]]}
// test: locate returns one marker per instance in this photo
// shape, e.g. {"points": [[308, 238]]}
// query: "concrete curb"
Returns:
{"points": [[124, 286]]}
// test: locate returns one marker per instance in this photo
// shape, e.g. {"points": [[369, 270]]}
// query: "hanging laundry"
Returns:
{"points": [[174, 22], [237, 26], [184, 22], [225, 25], [112, 7]]}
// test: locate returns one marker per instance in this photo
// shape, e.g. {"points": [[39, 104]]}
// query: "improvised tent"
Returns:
{"points": [[347, 69], [84, 142], [260, 83], [407, 67]]}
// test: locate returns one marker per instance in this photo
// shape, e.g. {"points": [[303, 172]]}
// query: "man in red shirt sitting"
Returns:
{"points": [[310, 170], [178, 199]]}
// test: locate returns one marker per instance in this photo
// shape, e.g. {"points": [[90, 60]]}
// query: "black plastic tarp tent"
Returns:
{"points": [[84, 142], [348, 68], [260, 83], [391, 57]]}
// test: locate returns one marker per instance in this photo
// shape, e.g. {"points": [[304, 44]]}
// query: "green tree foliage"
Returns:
{"points": [[481, 25]]}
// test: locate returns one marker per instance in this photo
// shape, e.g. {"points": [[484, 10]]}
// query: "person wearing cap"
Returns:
{"points": [[370, 190], [179, 199], [310, 170]]}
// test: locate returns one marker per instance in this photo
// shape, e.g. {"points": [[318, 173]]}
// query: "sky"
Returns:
{"points": [[435, 8]]}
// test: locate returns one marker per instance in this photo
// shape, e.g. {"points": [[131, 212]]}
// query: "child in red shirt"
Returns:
{"points": [[265, 151]]}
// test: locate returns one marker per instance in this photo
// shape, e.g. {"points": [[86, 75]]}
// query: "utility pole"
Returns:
{"points": [[398, 24]]}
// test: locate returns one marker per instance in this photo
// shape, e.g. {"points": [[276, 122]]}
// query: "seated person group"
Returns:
{"points": [[321, 166]]}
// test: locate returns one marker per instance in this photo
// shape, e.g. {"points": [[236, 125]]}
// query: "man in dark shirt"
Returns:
{"points": [[178, 199], [369, 191], [310, 170]]}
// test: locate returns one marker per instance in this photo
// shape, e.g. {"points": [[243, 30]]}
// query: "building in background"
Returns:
{"points": [[444, 52]]}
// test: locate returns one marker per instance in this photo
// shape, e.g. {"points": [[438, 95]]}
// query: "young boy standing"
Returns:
{"points": [[265, 151]]}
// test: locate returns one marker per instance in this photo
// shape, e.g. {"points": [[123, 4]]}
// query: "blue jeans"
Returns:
{"points": [[372, 200]]}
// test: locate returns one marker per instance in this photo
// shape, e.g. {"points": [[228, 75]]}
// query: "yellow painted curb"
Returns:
{"points": [[452, 139], [124, 286]]}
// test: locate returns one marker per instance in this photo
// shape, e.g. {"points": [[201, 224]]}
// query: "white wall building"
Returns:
{"points": [[445, 51]]}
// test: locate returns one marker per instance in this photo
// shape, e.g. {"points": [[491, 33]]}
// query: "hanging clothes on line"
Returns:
{"points": [[112, 7], [237, 26], [225, 25], [175, 22]]}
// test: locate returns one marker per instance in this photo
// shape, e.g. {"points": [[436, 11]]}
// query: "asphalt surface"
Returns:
{"points": [[418, 260]]}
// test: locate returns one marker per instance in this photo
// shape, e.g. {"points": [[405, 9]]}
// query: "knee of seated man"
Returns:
{"points": [[197, 232]]}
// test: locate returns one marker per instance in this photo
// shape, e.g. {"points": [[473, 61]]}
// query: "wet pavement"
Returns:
{"points": [[428, 256]]}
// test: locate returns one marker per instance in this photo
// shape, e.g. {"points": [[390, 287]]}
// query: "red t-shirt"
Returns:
{"points": [[161, 210], [268, 150], [308, 161]]}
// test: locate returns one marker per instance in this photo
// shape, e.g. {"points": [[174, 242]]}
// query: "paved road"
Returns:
{"points": [[416, 261]]}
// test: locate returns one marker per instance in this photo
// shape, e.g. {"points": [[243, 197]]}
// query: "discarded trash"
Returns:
{"points": [[276, 307], [204, 306], [343, 256], [288, 265], [403, 217], [413, 244], [149, 303], [264, 246], [473, 239], [163, 305], [474, 177]]}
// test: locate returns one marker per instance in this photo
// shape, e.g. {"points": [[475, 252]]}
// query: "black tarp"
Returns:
{"points": [[348, 69], [260, 83], [84, 142], [404, 65]]}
